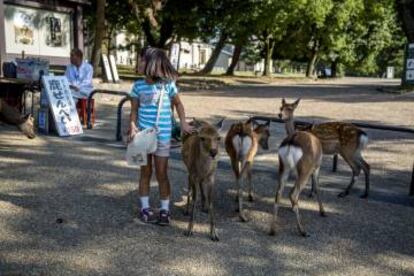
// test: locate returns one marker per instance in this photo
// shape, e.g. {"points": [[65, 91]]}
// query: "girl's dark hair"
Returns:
{"points": [[157, 65]]}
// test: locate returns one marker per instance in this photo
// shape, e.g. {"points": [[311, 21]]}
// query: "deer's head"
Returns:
{"points": [[287, 109], [243, 128], [27, 126], [209, 138], [263, 132]]}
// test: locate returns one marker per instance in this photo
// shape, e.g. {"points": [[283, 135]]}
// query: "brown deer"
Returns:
{"points": [[348, 141], [242, 143], [12, 116], [300, 151], [199, 151]]}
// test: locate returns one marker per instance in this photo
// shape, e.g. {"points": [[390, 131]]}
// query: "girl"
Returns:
{"points": [[159, 74]]}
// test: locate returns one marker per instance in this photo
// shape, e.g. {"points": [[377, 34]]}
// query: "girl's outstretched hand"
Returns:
{"points": [[132, 131], [186, 128]]}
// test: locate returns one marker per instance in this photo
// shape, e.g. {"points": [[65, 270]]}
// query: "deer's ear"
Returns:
{"points": [[196, 123], [220, 124], [296, 103], [283, 101]]}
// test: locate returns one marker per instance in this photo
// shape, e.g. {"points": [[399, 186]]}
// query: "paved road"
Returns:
{"points": [[85, 182]]}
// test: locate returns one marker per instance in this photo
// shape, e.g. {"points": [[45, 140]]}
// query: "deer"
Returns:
{"points": [[199, 151], [242, 143], [300, 151], [348, 141], [12, 116]]}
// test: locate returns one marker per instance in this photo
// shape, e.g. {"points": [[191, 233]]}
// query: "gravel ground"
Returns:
{"points": [[84, 182]]}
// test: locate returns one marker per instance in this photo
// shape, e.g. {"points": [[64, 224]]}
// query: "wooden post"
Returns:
{"points": [[412, 183]]}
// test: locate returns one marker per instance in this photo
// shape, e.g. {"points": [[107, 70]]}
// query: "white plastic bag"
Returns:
{"points": [[143, 143]]}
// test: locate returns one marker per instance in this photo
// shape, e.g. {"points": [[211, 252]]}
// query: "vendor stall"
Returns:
{"points": [[43, 30]]}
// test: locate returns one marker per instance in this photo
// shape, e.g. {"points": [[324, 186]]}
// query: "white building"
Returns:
{"points": [[190, 56], [124, 55]]}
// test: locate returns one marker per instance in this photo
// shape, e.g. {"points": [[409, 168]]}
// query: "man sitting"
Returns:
{"points": [[79, 74]]}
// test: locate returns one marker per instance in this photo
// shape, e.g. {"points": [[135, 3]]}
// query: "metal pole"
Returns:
{"points": [[89, 109], [412, 183], [119, 118], [335, 163]]}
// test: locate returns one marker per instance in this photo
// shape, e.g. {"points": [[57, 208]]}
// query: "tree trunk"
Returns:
{"points": [[99, 35], [270, 45], [214, 56], [234, 59], [406, 14], [110, 34], [334, 68], [312, 61]]}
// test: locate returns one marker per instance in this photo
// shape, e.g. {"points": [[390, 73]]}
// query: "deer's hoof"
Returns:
{"points": [[204, 210], [310, 195], [272, 232], [364, 195], [243, 217], [188, 233], [251, 198], [323, 214], [214, 237], [304, 234], [343, 194]]}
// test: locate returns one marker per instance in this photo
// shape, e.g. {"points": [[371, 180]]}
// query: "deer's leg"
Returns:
{"points": [[315, 181], [366, 168], [312, 191], [190, 184], [294, 198], [211, 216], [236, 170], [282, 178], [204, 204], [356, 169], [242, 216], [189, 232], [249, 181]]}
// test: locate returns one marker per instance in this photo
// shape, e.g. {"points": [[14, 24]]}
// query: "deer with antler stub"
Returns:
{"points": [[300, 151], [12, 116], [242, 143], [200, 150], [348, 141]]}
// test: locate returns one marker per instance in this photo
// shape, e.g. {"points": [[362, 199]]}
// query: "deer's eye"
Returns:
{"points": [[202, 139], [218, 138]]}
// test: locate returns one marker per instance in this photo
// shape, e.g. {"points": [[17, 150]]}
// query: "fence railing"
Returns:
{"points": [[125, 98]]}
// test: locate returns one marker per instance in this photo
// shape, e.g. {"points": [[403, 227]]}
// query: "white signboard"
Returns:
{"points": [[107, 68], [37, 32], [62, 105], [410, 75], [113, 68]]}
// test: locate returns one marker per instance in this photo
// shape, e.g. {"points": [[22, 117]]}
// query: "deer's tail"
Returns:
{"points": [[362, 140]]}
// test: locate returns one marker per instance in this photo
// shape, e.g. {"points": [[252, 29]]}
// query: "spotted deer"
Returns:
{"points": [[300, 151], [348, 141], [242, 143], [199, 151], [12, 116]]}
